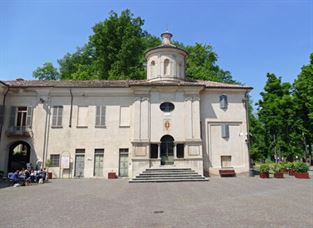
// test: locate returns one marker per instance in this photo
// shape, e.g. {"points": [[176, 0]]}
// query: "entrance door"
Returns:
{"points": [[98, 166], [167, 150], [123, 170], [79, 163], [19, 156]]}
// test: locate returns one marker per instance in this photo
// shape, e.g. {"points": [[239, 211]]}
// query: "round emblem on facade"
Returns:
{"points": [[167, 107]]}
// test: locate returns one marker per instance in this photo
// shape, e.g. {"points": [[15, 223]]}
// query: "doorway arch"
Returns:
{"points": [[167, 150], [19, 156]]}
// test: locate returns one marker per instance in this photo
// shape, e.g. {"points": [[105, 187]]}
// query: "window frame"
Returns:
{"points": [[223, 101], [100, 115], [167, 109], [57, 164], [57, 116]]}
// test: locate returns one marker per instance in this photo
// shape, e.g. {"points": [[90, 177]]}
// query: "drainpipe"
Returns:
{"points": [[47, 121], [71, 110], [248, 131]]}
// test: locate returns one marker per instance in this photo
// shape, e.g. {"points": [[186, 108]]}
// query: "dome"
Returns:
{"points": [[166, 61]]}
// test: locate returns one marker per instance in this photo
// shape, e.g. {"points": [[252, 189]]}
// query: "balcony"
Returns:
{"points": [[21, 131]]}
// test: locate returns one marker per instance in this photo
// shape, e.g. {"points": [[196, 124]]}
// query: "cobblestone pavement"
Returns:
{"points": [[227, 202]]}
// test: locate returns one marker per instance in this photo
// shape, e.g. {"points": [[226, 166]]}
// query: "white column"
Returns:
{"points": [[136, 118], [188, 117], [144, 118], [196, 117]]}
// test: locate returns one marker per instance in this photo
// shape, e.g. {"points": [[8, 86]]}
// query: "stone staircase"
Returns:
{"points": [[168, 175]]}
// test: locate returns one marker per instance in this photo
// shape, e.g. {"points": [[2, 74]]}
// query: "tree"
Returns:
{"points": [[277, 115], [201, 64], [116, 49], [303, 95], [118, 43], [46, 72]]}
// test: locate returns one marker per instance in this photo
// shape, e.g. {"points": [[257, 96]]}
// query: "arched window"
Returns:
{"points": [[179, 69], [152, 68], [166, 67]]}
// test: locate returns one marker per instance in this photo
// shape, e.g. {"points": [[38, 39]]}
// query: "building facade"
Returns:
{"points": [[91, 128]]}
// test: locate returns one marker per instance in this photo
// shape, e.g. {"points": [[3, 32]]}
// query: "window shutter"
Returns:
{"points": [[60, 113], [54, 116], [103, 115], [225, 131], [29, 117], [223, 102], [1, 115], [12, 116], [98, 115]]}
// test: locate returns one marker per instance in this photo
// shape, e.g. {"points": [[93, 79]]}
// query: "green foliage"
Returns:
{"points": [[46, 72], [201, 64], [264, 168], [301, 167], [290, 166], [277, 115], [48, 163], [115, 51], [276, 168], [303, 95]]}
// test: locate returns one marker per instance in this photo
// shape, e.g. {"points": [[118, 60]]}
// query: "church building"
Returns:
{"points": [[127, 127]]}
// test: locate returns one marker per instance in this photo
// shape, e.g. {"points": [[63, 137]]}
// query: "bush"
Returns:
{"points": [[277, 168], [290, 166], [264, 168], [301, 167]]}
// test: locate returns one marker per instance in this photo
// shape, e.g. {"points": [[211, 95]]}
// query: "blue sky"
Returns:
{"points": [[251, 38]]}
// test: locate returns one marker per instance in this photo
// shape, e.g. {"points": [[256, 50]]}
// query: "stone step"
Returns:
{"points": [[174, 173], [149, 179], [169, 169], [167, 180], [168, 174]]}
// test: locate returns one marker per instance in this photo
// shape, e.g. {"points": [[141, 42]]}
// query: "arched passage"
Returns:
{"points": [[19, 156], [167, 150]]}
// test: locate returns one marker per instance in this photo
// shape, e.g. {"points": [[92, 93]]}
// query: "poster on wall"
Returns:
{"points": [[65, 161]]}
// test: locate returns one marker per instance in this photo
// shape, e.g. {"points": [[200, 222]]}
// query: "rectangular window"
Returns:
{"points": [[55, 160], [124, 116], [154, 151], [57, 116], [225, 131], [180, 150], [100, 116], [223, 102], [82, 116], [226, 161], [21, 117]]}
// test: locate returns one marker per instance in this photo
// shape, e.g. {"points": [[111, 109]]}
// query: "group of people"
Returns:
{"points": [[27, 176]]}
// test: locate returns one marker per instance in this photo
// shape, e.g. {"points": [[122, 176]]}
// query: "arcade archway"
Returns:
{"points": [[19, 156]]}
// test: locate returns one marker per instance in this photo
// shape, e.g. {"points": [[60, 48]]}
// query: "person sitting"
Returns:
{"points": [[27, 177], [32, 176]]}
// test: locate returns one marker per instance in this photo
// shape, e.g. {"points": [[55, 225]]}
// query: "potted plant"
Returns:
{"points": [[264, 171], [277, 170], [48, 164], [291, 168], [301, 170], [284, 167]]}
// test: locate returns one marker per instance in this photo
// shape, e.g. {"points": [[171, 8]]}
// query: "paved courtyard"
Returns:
{"points": [[227, 202]]}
